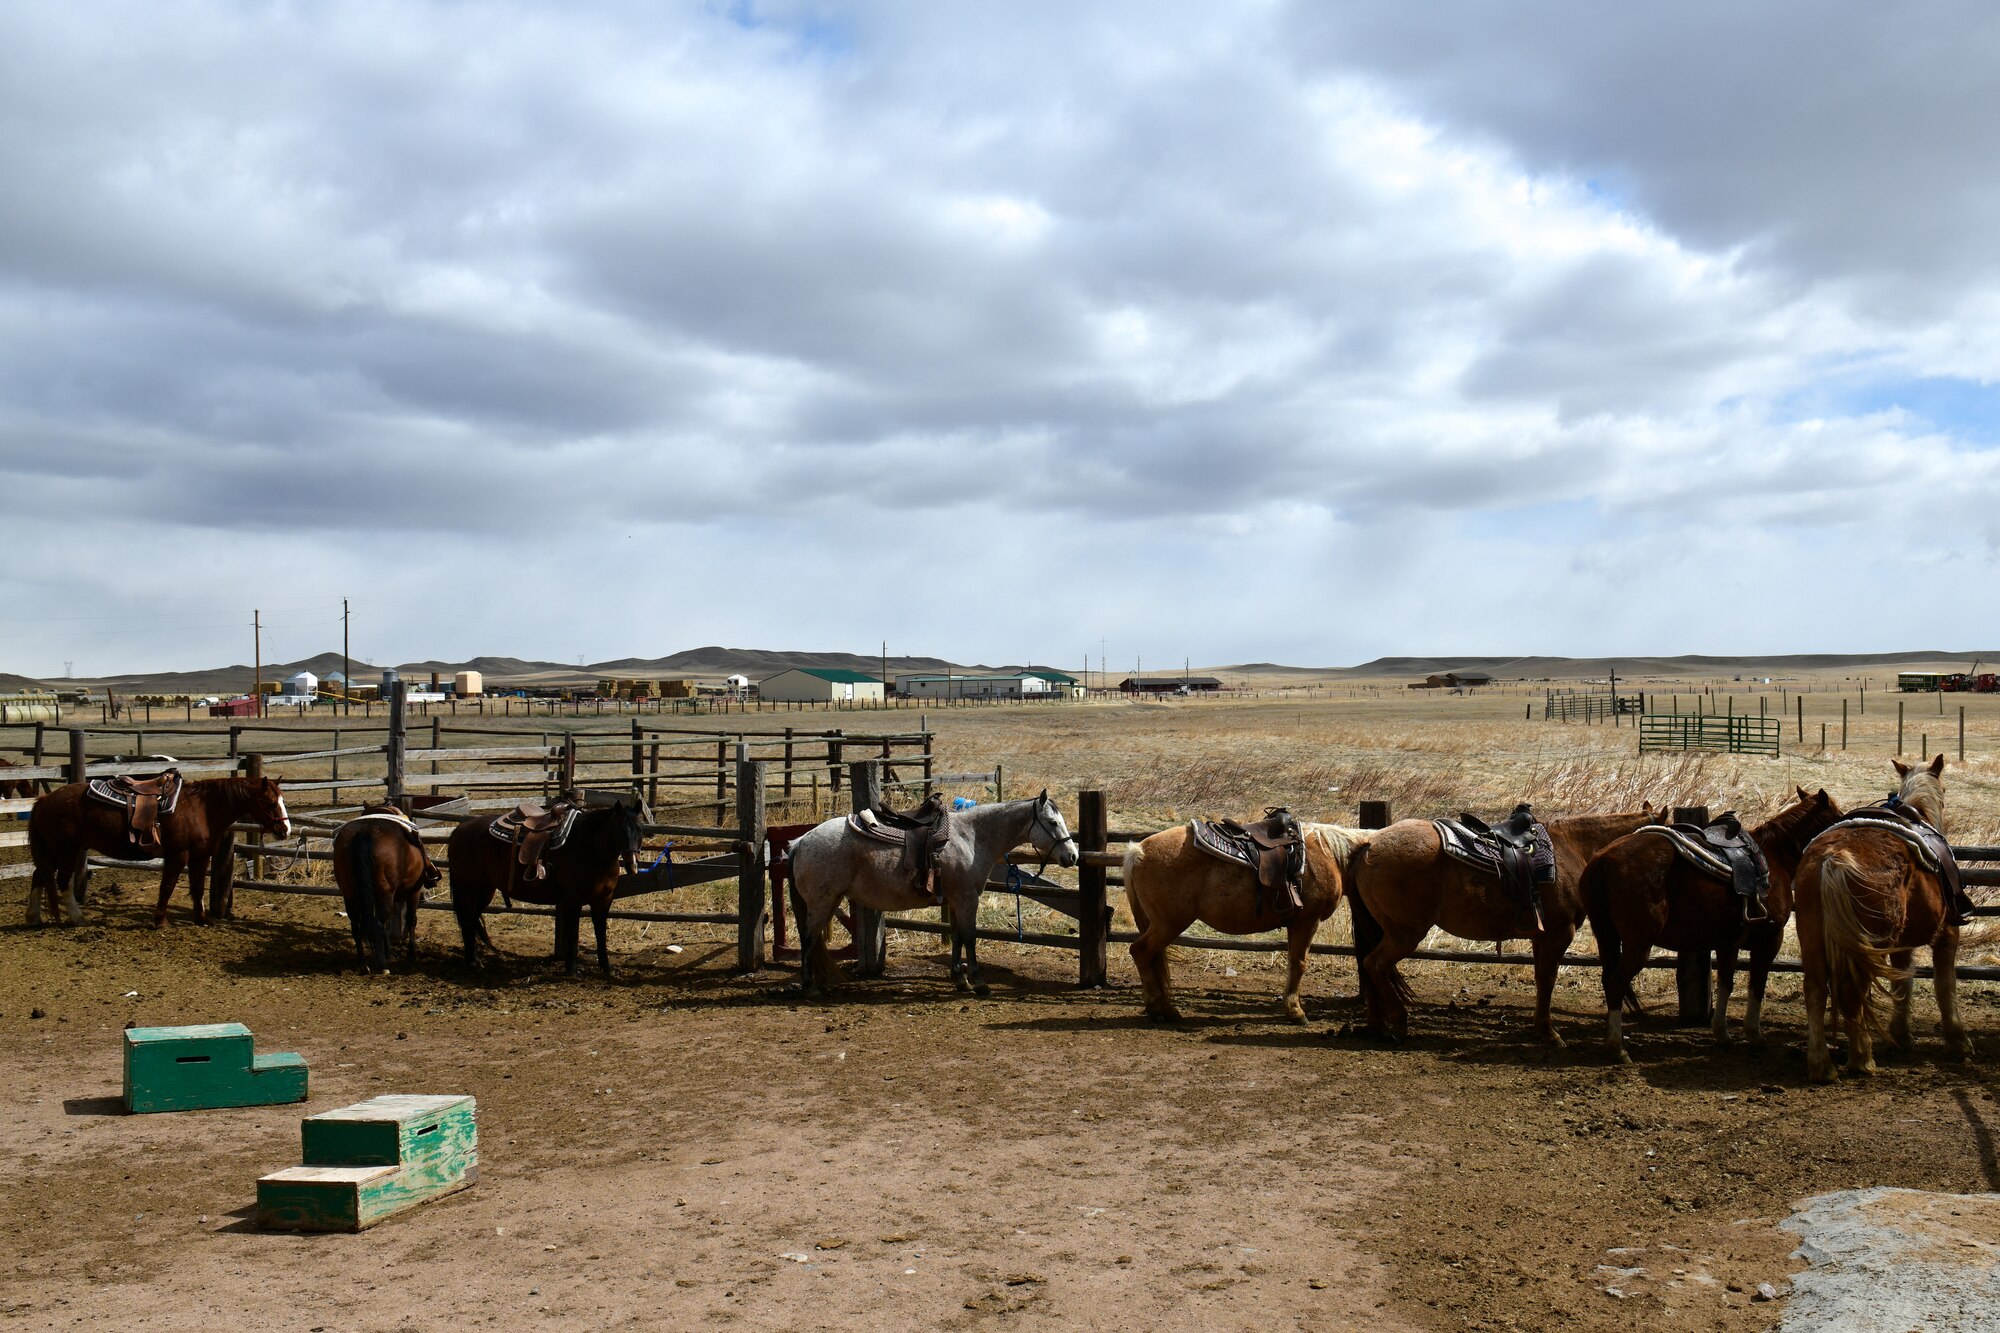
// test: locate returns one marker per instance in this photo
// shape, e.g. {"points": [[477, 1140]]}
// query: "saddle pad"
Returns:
{"points": [[1219, 844], [506, 827], [1463, 845], [395, 817], [1695, 851], [1933, 852], [107, 791]]}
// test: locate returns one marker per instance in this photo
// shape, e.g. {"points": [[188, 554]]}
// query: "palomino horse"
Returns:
{"points": [[67, 825], [832, 862], [1865, 904], [1641, 894], [1402, 885], [583, 870], [1170, 883], [380, 866]]}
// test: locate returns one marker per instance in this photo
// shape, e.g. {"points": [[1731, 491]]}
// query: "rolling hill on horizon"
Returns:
{"points": [[714, 662]]}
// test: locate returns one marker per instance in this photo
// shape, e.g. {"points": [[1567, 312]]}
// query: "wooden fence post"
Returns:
{"points": [[399, 746], [253, 769], [1899, 728], [1961, 733], [1374, 814], [1843, 723], [1093, 916], [871, 937], [1802, 719], [753, 898], [638, 758], [1694, 970]]}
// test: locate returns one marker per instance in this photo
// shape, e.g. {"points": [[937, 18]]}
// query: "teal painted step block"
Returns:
{"points": [[370, 1161], [206, 1065]]}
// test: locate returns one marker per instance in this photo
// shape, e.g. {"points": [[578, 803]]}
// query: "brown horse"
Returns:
{"points": [[1170, 883], [583, 870], [1641, 894], [1865, 904], [1403, 885], [382, 870], [67, 825], [14, 789]]}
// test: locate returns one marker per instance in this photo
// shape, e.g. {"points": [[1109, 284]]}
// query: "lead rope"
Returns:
{"points": [[1014, 884]]}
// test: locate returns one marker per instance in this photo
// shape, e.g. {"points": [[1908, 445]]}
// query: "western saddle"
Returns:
{"points": [[146, 802], [1274, 846], [532, 830], [1511, 844], [1749, 873], [925, 831]]}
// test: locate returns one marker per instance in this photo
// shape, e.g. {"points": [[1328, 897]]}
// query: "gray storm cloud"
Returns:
{"points": [[1114, 310]]}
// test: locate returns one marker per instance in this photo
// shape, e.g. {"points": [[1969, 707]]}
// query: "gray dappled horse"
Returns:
{"points": [[832, 862]]}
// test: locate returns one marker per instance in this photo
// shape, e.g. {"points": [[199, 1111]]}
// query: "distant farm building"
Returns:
{"points": [[819, 685], [1039, 684], [1453, 680], [1169, 685]]}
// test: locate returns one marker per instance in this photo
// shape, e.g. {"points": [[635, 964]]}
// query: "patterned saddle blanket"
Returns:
{"points": [[391, 815], [146, 801]]}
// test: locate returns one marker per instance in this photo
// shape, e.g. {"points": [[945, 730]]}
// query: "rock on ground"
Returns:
{"points": [[1891, 1260]]}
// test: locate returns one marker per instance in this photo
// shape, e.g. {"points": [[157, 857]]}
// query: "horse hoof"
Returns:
{"points": [[1621, 1056], [982, 990], [1554, 1039], [1164, 1015]]}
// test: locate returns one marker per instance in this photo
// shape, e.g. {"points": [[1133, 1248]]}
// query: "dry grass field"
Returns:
{"points": [[682, 1147]]}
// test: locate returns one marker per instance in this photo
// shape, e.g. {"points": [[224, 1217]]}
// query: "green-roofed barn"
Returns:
{"points": [[819, 685]]}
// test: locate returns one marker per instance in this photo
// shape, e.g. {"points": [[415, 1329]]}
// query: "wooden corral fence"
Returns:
{"points": [[740, 781]]}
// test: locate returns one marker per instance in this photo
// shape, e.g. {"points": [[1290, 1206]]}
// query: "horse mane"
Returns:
{"points": [[1922, 791], [1340, 841], [1783, 827]]}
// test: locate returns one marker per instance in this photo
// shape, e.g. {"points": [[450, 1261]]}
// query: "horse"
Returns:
{"points": [[1402, 886], [66, 825], [1641, 894], [382, 870], [584, 870], [1170, 883], [14, 789], [831, 862], [1865, 904]]}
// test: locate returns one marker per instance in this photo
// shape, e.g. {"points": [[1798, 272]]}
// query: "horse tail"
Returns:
{"points": [[1134, 901], [362, 911], [1857, 963]]}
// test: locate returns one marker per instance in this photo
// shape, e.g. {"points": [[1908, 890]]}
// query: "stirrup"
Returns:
{"points": [[1754, 910]]}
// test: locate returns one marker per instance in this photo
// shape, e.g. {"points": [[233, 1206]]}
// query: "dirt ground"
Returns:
{"points": [[683, 1148]]}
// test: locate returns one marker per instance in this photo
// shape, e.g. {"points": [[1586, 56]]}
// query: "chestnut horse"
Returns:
{"points": [[1642, 894], [1402, 886], [382, 870], [1865, 905], [1170, 883], [67, 825], [583, 870]]}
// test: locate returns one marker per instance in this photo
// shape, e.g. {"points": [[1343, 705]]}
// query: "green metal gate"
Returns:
{"points": [[1709, 731]]}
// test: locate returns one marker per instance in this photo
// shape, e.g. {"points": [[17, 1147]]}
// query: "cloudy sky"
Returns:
{"points": [[590, 330]]}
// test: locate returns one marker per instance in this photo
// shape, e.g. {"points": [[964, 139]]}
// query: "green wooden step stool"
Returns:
{"points": [[370, 1161], [206, 1065]]}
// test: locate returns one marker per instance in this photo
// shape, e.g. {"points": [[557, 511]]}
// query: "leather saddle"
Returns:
{"points": [[1749, 873], [922, 833], [146, 802], [532, 831], [1274, 846], [1516, 850]]}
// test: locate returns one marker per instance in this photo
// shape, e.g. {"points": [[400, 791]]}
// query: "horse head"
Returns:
{"points": [[267, 806], [1049, 835], [1922, 789]]}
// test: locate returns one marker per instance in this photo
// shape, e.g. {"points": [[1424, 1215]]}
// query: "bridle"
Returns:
{"points": [[1041, 822]]}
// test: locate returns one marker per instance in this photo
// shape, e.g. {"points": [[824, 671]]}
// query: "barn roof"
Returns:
{"points": [[837, 675]]}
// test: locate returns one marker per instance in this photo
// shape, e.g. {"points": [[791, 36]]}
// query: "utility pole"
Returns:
{"points": [[257, 655], [346, 671], [885, 673]]}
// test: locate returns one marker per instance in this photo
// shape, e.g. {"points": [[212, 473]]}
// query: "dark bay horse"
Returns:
{"points": [[1402, 885], [832, 862], [67, 825], [382, 870], [1865, 904], [1170, 883], [584, 870], [1641, 894]]}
